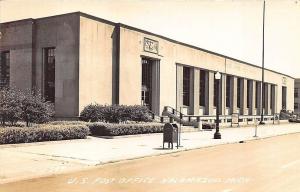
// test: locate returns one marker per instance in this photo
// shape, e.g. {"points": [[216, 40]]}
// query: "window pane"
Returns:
{"points": [[228, 82], [249, 92], [4, 69], [202, 87], [49, 84], [239, 93], [186, 86]]}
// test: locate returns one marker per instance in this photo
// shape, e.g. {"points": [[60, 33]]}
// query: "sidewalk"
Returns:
{"points": [[24, 161]]}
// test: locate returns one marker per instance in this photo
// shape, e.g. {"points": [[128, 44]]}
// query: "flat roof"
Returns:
{"points": [[153, 34]]}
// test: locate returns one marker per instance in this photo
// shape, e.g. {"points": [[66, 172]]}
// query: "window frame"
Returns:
{"points": [[186, 79]]}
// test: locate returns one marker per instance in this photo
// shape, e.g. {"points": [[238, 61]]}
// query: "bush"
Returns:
{"points": [[116, 113], [28, 106], [207, 125], [10, 102], [35, 109], [46, 132], [109, 129]]}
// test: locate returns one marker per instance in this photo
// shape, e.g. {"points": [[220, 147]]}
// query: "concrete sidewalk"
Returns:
{"points": [[24, 161]]}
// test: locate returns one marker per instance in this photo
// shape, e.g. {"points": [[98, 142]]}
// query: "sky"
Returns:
{"points": [[229, 27]]}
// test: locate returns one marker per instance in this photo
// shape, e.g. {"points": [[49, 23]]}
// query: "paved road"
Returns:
{"points": [[271, 164]]}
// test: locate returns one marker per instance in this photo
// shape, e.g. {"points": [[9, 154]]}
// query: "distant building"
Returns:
{"points": [[297, 96], [76, 59]]}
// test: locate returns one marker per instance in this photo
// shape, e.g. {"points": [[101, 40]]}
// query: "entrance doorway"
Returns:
{"points": [[150, 84]]}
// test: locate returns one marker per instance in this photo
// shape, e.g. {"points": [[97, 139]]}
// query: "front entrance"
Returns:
{"points": [[150, 84]]}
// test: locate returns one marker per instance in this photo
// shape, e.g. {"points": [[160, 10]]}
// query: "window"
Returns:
{"points": [[257, 94], [296, 92], [239, 92], [215, 92], [272, 94], [296, 106], [202, 87], [283, 101], [4, 69], [228, 82], [249, 93], [265, 89], [186, 86], [49, 73]]}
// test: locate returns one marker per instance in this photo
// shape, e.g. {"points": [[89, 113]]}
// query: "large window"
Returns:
{"points": [[283, 97], [4, 69], [249, 93], [257, 94], [272, 94], [239, 92], [266, 99], [186, 86], [215, 91], [49, 63], [202, 87], [228, 82]]}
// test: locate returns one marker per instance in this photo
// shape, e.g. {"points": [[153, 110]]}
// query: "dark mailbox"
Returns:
{"points": [[170, 135]]}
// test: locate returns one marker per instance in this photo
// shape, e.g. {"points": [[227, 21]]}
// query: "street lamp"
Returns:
{"points": [[217, 134], [262, 106]]}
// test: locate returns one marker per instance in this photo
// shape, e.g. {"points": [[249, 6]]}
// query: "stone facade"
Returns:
{"points": [[100, 61]]}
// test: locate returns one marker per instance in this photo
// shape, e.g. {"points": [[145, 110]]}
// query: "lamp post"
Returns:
{"points": [[217, 134], [263, 72]]}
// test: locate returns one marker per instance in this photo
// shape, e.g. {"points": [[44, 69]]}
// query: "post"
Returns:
{"points": [[179, 131], [217, 134], [263, 71]]}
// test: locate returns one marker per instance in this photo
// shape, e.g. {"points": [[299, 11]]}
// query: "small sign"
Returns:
{"points": [[284, 80], [150, 45]]}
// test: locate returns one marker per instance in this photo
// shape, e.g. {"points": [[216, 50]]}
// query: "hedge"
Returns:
{"points": [[113, 129], [10, 135], [116, 113], [67, 123]]}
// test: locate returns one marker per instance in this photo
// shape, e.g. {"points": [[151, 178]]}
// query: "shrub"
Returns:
{"points": [[116, 113], [10, 102], [92, 113], [34, 108], [110, 129], [207, 125], [28, 106], [46, 132]]}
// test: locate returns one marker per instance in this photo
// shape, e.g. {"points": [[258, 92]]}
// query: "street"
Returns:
{"points": [[271, 164]]}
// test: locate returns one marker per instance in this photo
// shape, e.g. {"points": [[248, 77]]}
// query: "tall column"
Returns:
{"points": [[194, 91], [223, 94], [156, 87], [210, 90], [233, 94], [179, 86], [252, 109]]}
